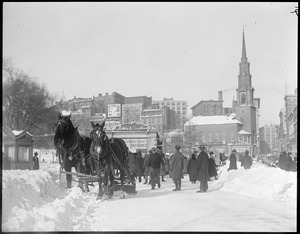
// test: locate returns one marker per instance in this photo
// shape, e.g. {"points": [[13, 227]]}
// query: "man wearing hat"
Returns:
{"points": [[232, 161], [176, 167], [202, 169], [35, 160], [155, 160], [246, 160]]}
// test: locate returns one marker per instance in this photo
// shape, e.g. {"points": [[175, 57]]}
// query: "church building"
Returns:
{"points": [[245, 106]]}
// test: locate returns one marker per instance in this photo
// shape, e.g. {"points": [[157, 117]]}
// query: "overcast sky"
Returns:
{"points": [[185, 51]]}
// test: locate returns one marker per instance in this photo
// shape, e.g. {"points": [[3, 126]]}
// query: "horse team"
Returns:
{"points": [[97, 156]]}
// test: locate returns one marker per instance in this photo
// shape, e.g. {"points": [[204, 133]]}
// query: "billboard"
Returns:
{"points": [[114, 110]]}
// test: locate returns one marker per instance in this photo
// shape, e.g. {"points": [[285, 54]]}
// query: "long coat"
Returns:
{"points": [[232, 162], [146, 168], [284, 162], [163, 165], [202, 167], [139, 165], [36, 164], [192, 168], [176, 165], [212, 171], [246, 162]]}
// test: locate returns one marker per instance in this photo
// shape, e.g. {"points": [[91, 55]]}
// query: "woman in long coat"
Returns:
{"points": [[139, 165], [232, 161], [192, 169], [212, 171], [146, 168]]}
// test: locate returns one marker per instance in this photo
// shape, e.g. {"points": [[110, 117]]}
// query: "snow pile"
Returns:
{"points": [[260, 182], [39, 201]]}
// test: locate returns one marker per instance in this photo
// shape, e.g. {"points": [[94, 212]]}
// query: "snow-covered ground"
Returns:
{"points": [[260, 199]]}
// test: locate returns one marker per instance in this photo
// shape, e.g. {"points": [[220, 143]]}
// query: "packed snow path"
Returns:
{"points": [[260, 199]]}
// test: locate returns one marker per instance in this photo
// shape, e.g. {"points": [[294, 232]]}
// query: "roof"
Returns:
{"points": [[17, 133], [243, 132], [216, 119], [206, 101]]}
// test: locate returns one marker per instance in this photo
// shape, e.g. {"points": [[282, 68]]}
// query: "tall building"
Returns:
{"points": [[268, 137], [245, 107], [180, 108], [209, 107]]}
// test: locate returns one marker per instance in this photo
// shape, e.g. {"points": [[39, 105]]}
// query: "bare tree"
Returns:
{"points": [[26, 104]]}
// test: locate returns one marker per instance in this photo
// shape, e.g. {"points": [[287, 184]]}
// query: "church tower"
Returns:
{"points": [[245, 107]]}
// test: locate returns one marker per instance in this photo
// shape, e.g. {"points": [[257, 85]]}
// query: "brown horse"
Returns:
{"points": [[112, 156], [72, 148]]}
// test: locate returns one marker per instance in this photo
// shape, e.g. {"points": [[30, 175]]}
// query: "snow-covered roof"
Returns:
{"points": [[216, 119], [243, 132], [17, 132], [65, 113]]}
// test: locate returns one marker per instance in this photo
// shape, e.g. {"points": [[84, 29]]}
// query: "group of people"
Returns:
{"points": [[286, 162]]}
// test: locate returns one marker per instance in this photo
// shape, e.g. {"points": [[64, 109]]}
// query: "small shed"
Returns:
{"points": [[18, 150]]}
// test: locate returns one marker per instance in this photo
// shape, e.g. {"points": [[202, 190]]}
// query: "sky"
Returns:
{"points": [[185, 51], [262, 199]]}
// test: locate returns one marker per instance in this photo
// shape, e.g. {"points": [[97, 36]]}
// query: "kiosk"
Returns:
{"points": [[18, 150]]}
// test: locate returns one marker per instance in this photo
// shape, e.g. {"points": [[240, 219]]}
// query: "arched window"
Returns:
{"points": [[243, 98]]}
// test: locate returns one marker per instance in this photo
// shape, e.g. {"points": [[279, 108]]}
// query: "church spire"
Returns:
{"points": [[244, 56]]}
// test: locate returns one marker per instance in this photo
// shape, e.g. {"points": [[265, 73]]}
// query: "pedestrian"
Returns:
{"points": [[192, 169], [217, 159], [155, 160], [202, 170], [176, 167], [146, 168], [246, 160], [212, 167], [284, 162], [131, 162], [35, 159], [163, 170], [232, 160], [139, 165]]}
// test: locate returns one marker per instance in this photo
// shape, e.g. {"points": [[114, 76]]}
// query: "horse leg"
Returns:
{"points": [[112, 184], [100, 194]]}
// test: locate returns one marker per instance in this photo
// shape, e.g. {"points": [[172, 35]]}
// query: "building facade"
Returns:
{"points": [[162, 119], [209, 107], [269, 140], [180, 108]]}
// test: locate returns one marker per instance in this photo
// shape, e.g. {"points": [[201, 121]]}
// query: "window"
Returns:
{"points": [[243, 98], [11, 153], [23, 153]]}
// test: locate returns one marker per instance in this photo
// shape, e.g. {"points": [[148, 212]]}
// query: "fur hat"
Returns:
{"points": [[35, 153], [234, 150]]}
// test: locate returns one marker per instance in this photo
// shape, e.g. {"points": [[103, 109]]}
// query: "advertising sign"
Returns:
{"points": [[114, 110]]}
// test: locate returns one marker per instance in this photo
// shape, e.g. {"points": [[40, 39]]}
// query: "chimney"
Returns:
{"points": [[220, 96]]}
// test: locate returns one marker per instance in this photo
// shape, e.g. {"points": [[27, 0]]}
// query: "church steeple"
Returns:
{"points": [[245, 89], [244, 56]]}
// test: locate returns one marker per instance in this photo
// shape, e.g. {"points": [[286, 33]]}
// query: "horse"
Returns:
{"points": [[72, 148], [112, 156]]}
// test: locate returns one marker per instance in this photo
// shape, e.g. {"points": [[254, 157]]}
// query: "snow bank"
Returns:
{"points": [[36, 200], [260, 182]]}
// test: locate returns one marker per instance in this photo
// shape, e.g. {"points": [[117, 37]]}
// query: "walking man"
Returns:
{"points": [[155, 160], [176, 166], [202, 170], [232, 161]]}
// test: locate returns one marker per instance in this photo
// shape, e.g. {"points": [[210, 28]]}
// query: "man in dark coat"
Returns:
{"points": [[202, 170], [155, 160], [139, 165], [192, 169], [246, 160], [232, 161], [176, 167], [283, 161], [35, 159]]}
